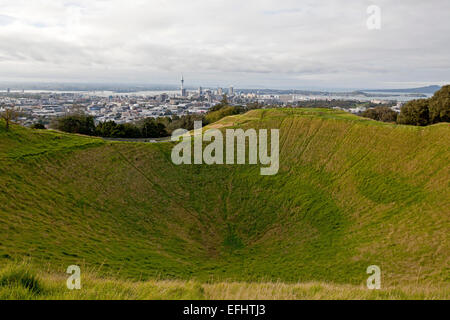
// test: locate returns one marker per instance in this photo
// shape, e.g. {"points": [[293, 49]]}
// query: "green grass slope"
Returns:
{"points": [[350, 193]]}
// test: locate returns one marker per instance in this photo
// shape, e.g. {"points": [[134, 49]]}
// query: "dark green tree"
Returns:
{"points": [[76, 123], [384, 114], [439, 106], [107, 129], [38, 126], [415, 112]]}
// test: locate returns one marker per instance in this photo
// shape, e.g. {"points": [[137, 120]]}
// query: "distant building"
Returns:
{"points": [[163, 97], [209, 96], [200, 91], [220, 91], [231, 91]]}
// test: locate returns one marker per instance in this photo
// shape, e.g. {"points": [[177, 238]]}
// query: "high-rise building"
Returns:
{"points": [[219, 91], [210, 97], [200, 91], [231, 91], [183, 90], [163, 97]]}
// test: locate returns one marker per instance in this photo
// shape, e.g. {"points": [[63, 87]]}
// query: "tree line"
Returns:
{"points": [[82, 123], [421, 112], [425, 112], [147, 128]]}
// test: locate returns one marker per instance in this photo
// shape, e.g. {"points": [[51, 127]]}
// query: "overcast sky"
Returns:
{"points": [[245, 43]]}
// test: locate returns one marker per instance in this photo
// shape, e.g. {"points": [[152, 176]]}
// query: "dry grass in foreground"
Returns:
{"points": [[19, 282]]}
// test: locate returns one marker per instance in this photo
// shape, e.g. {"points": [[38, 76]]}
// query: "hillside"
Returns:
{"points": [[427, 89], [350, 193]]}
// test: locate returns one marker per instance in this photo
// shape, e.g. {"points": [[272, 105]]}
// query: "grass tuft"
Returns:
{"points": [[19, 279]]}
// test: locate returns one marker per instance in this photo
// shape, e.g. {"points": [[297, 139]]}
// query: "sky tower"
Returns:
{"points": [[183, 90]]}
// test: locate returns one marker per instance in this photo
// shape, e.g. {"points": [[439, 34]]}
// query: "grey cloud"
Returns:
{"points": [[281, 42], [5, 20]]}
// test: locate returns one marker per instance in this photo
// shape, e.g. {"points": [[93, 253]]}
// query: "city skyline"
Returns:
{"points": [[258, 44]]}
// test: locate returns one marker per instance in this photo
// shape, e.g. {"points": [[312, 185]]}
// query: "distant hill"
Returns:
{"points": [[350, 193], [428, 89]]}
